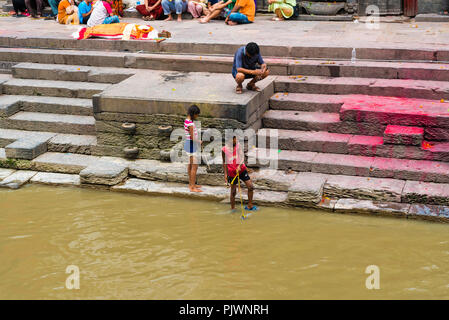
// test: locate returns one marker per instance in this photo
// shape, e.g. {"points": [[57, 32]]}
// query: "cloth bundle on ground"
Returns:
{"points": [[121, 31]]}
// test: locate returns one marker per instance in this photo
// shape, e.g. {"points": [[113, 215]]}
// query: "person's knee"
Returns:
{"points": [[250, 187], [240, 77]]}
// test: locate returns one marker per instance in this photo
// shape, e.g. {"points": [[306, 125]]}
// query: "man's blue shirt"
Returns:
{"points": [[241, 60]]}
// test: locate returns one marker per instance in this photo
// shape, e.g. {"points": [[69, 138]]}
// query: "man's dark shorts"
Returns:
{"points": [[247, 76], [243, 176]]}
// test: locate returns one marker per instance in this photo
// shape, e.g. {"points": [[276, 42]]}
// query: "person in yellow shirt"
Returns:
{"points": [[243, 12], [68, 12]]}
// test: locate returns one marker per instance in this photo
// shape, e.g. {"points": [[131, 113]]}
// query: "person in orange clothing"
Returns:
{"points": [[68, 12], [243, 12]]}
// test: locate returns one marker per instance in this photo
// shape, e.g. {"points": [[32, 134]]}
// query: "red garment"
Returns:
{"points": [[232, 159], [157, 13]]}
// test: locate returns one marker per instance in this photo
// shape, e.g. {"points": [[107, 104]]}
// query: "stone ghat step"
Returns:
{"points": [[20, 144], [50, 122], [305, 51], [369, 146], [318, 121], [306, 102], [68, 89], [399, 111], [10, 104], [332, 163], [403, 135], [297, 68], [422, 89], [63, 72]]}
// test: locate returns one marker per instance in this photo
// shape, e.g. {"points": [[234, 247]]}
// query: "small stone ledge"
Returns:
{"points": [[4, 173], [429, 212], [17, 179], [58, 179], [104, 173], [372, 207]]}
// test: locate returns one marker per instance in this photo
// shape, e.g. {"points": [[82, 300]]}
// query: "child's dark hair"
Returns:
{"points": [[193, 110], [252, 48]]}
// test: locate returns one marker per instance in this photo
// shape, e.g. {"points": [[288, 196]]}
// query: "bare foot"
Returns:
{"points": [[252, 87], [238, 89], [169, 18], [198, 186], [204, 20], [232, 23], [179, 18], [193, 189]]}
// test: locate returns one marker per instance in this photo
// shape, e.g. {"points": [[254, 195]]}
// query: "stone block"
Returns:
{"points": [[26, 149], [17, 179], [429, 212], [369, 207], [307, 188], [56, 179], [426, 192], [104, 173]]}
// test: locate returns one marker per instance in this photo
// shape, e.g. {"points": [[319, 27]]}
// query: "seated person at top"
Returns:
{"points": [[197, 8], [245, 60], [243, 12], [68, 12], [284, 9], [20, 8], [84, 11], [177, 6], [102, 14], [221, 8], [151, 10]]}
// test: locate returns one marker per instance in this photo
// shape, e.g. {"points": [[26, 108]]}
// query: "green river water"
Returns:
{"points": [[140, 247]]}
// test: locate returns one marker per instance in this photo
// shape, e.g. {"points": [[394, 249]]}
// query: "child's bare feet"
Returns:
{"points": [[169, 18], [193, 189], [179, 18], [204, 20], [198, 186], [238, 89]]}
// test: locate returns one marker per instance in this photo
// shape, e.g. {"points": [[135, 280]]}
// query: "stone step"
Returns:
{"points": [[317, 121], [352, 165], [371, 69], [370, 146], [399, 111], [306, 102], [403, 135], [72, 143], [423, 89], [300, 120], [50, 122], [63, 72], [209, 62], [52, 88], [12, 104]]}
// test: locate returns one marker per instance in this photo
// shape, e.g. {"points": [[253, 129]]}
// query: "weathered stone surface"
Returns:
{"points": [[53, 88], [265, 197], [8, 106], [371, 207], [26, 149], [429, 212], [166, 95], [56, 178], [172, 189], [63, 162], [388, 190], [17, 179], [426, 192], [74, 106], [5, 173], [283, 159], [299, 120], [342, 164], [270, 179], [306, 102], [104, 173], [307, 187], [71, 143], [403, 135], [50, 122]]}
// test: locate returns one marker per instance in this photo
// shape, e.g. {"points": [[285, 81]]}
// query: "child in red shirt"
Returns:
{"points": [[233, 164]]}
